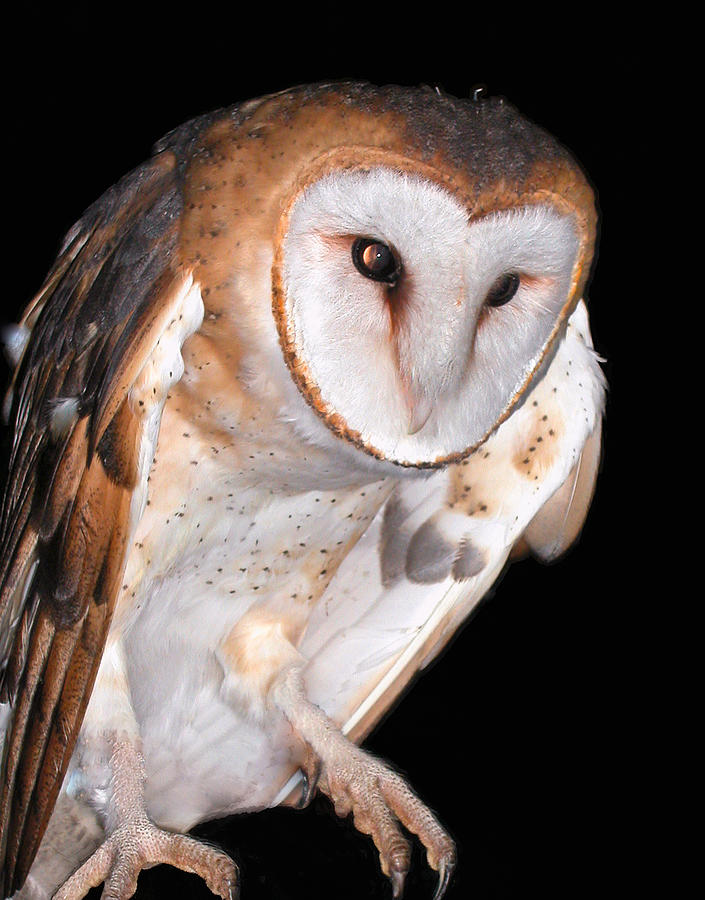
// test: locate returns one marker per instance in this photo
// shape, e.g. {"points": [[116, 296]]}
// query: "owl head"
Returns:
{"points": [[420, 256]]}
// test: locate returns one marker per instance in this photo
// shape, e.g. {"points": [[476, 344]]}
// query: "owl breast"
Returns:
{"points": [[239, 522]]}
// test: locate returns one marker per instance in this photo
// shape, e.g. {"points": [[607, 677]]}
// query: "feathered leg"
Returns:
{"points": [[110, 777]]}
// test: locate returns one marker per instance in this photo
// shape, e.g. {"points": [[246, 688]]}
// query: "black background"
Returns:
{"points": [[518, 736]]}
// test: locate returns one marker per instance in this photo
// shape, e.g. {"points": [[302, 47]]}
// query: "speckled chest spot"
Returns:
{"points": [[538, 448], [468, 489], [466, 497]]}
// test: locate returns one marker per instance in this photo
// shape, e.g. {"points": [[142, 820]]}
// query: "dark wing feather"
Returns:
{"points": [[66, 510]]}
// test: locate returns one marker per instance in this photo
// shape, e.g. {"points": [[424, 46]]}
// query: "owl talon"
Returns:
{"points": [[140, 845], [379, 799], [397, 878], [311, 770], [136, 843], [445, 871]]}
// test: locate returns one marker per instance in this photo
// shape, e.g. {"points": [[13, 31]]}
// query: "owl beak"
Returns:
{"points": [[420, 409]]}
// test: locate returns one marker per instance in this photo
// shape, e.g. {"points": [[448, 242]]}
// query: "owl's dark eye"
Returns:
{"points": [[375, 260], [503, 289]]}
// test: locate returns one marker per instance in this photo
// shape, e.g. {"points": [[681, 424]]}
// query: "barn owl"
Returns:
{"points": [[293, 393]]}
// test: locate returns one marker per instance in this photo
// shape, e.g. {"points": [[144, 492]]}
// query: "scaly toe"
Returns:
{"points": [[381, 801], [215, 867], [137, 846]]}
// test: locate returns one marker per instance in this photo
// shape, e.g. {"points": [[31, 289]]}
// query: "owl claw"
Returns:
{"points": [[311, 770], [307, 794], [445, 870], [397, 879]]}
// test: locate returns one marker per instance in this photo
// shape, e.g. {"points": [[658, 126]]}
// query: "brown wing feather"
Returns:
{"points": [[66, 509]]}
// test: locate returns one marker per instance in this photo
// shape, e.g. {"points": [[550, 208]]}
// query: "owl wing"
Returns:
{"points": [[103, 345], [438, 545]]}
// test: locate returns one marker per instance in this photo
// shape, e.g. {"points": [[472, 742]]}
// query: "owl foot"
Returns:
{"points": [[357, 783], [134, 842], [140, 845], [379, 799]]}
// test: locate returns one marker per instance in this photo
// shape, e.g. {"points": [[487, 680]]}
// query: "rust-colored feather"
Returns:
{"points": [[56, 657], [73, 468], [65, 479], [67, 716], [37, 652]]}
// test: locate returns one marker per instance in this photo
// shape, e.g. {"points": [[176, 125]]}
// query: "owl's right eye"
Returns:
{"points": [[503, 289], [375, 260]]}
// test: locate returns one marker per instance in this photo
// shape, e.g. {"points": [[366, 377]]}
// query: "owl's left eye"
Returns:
{"points": [[375, 260]]}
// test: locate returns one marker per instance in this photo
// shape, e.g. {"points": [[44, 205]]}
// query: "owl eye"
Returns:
{"points": [[375, 260], [503, 289]]}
